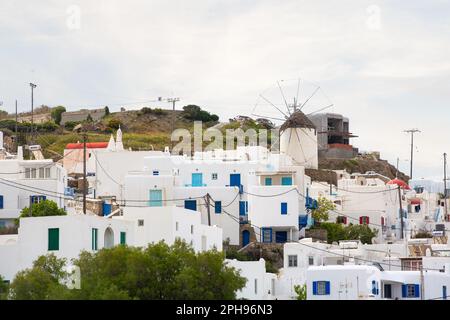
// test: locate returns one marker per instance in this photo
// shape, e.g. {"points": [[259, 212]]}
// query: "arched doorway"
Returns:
{"points": [[109, 238], [245, 238]]}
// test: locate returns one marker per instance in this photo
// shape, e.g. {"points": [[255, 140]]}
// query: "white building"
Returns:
{"points": [[28, 181], [238, 183], [67, 236], [355, 282], [260, 284]]}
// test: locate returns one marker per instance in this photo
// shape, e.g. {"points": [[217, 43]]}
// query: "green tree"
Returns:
{"points": [[56, 114], [337, 232], [195, 113], [42, 209], [361, 232], [44, 281], [300, 291], [114, 124], [323, 207], [4, 289], [157, 272]]}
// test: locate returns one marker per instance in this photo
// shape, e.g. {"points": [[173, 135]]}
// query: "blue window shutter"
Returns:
{"points": [[283, 208], [374, 288], [242, 208], [444, 292], [417, 291], [44, 198], [286, 181], [404, 291], [1, 202], [218, 206], [327, 287], [314, 287], [235, 179], [190, 204], [246, 207]]}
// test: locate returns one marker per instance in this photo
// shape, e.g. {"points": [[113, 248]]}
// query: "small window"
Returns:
{"points": [[47, 173], [176, 226], [444, 292], [341, 219], [123, 238], [292, 260], [140, 222], [192, 229], [214, 176], [256, 286], [266, 235], [94, 239], [410, 290], [268, 181], [33, 173], [310, 261], [1, 202], [27, 173], [364, 220], [41, 173], [218, 207], [155, 172], [284, 208], [321, 288]]}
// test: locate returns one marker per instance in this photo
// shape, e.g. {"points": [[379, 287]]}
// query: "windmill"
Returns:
{"points": [[298, 135]]}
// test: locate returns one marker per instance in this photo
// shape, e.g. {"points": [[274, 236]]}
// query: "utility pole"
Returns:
{"points": [[422, 283], [412, 131], [15, 128], [445, 186], [396, 173], [401, 209], [173, 100], [33, 86], [84, 172], [207, 198]]}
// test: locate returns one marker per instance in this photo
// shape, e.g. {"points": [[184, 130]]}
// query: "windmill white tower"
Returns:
{"points": [[298, 135]]}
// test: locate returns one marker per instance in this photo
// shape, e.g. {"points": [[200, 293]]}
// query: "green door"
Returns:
{"points": [[53, 239]]}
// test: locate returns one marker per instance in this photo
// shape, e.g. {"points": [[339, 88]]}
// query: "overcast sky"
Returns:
{"points": [[383, 64]]}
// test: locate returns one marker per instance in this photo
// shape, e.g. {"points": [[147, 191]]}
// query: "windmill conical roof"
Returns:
{"points": [[297, 120]]}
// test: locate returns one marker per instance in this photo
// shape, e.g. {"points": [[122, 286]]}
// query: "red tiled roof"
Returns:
{"points": [[89, 145], [400, 183]]}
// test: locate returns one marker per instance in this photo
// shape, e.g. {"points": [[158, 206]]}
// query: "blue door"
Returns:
{"points": [[286, 181], [197, 179], [190, 204], [155, 198], [106, 208], [281, 236], [245, 238], [235, 180]]}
